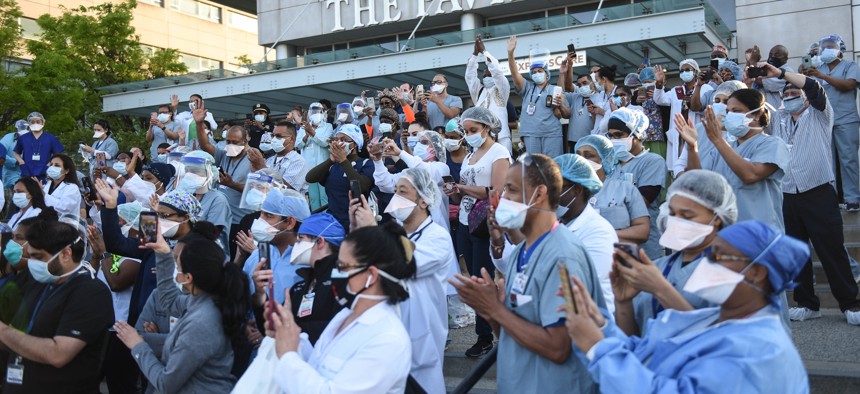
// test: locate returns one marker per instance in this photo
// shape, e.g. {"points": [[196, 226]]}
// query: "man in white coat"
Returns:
{"points": [[491, 91]]}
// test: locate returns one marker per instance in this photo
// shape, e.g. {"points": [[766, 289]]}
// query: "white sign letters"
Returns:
{"points": [[365, 11]]}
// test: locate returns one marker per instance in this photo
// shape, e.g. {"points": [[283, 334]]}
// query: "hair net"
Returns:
{"points": [[21, 125], [424, 184], [733, 67], [833, 38], [210, 163], [353, 132], [691, 62], [632, 80], [635, 120], [436, 141], [182, 202], [783, 255], [35, 115], [708, 189], [286, 203], [130, 212], [323, 225], [729, 87], [359, 101], [540, 65], [453, 125], [345, 108], [647, 73], [576, 169], [662, 217], [604, 149], [483, 116], [812, 48]]}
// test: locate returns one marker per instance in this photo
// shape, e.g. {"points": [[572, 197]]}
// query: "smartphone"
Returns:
{"points": [[371, 102], [221, 171], [679, 92], [355, 188], [755, 72], [566, 288], [100, 159], [249, 116], [646, 62], [89, 190], [807, 62], [708, 75], [631, 249], [153, 115], [263, 253], [588, 102], [148, 227], [715, 64], [557, 91], [571, 49], [494, 199], [448, 179], [419, 91]]}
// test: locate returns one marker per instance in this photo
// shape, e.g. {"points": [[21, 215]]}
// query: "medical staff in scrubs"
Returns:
{"points": [[700, 203], [312, 140], [618, 201], [738, 347], [579, 183], [647, 171], [200, 175], [534, 353]]}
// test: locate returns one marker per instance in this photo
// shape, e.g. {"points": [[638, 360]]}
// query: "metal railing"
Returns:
{"points": [[477, 372]]}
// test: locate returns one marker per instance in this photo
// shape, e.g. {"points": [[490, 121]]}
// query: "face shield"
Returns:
{"points": [[257, 186], [343, 114], [199, 175], [316, 113]]}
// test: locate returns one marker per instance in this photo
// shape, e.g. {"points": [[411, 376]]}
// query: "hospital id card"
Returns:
{"points": [[530, 109], [37, 157], [519, 284], [15, 371], [307, 305]]}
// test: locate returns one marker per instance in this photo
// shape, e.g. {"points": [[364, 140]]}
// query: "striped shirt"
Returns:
{"points": [[292, 168], [808, 140]]}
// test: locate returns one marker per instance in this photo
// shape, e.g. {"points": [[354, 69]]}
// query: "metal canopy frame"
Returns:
{"points": [[607, 43]]}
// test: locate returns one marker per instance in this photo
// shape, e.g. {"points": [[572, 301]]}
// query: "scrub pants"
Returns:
{"points": [[476, 252], [317, 196], [814, 215], [846, 142], [550, 146]]}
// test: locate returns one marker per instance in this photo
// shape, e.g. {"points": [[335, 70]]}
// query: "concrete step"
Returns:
{"points": [[851, 233], [830, 349], [850, 218], [456, 365]]}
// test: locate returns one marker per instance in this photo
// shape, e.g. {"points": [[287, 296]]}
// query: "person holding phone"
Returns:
{"points": [[491, 91], [312, 140], [161, 130], [575, 106], [104, 144], [62, 190]]}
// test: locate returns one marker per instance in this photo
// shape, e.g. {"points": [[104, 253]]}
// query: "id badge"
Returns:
{"points": [[15, 371], [307, 305], [172, 321], [530, 109], [519, 285], [37, 157], [789, 146], [581, 112]]}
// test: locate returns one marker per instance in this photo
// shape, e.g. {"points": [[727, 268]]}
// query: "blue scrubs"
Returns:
{"points": [[285, 273], [36, 153], [337, 188]]}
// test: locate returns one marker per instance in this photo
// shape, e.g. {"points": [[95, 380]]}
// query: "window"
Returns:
{"points": [[242, 22], [159, 3], [198, 64], [198, 9], [30, 30]]}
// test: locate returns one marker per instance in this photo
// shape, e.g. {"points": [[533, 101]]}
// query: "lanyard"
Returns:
{"points": [[417, 234], [42, 298], [277, 163], [99, 144], [655, 306], [524, 255], [227, 165], [532, 91]]}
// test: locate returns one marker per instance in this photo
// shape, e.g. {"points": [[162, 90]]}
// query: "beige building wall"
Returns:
{"points": [[165, 27]]}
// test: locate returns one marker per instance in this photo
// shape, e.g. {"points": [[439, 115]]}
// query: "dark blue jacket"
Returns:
{"points": [[118, 244]]}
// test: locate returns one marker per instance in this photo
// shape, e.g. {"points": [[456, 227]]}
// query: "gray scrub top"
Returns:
{"points": [[678, 275], [619, 202], [581, 121], [543, 122], [239, 170], [844, 103], [435, 115], [647, 169], [216, 210]]}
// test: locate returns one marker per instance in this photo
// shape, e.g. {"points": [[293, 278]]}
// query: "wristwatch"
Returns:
{"points": [[781, 74]]}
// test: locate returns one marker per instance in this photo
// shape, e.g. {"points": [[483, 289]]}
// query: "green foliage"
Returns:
{"points": [[10, 38]]}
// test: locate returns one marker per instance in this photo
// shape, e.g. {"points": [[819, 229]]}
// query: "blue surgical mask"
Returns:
{"points": [[793, 105], [829, 55], [738, 124], [162, 158], [39, 270], [120, 168], [475, 140], [617, 101], [265, 146], [719, 110], [539, 78], [584, 90], [20, 200], [54, 172], [13, 252], [422, 151], [489, 82], [260, 118], [687, 76], [411, 142]]}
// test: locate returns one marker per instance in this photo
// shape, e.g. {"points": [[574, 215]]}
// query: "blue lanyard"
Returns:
{"points": [[532, 93], [227, 164], [655, 306], [99, 144], [42, 298]]}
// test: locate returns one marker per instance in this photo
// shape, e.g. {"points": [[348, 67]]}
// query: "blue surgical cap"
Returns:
{"points": [[286, 203], [323, 225], [604, 149], [353, 132], [576, 169], [647, 73], [783, 255], [452, 125], [540, 65], [833, 38], [35, 115], [733, 67], [635, 120]]}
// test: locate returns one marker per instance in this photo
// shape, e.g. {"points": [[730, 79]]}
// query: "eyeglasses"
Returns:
{"points": [[616, 136], [437, 83], [721, 258], [344, 267], [529, 160], [167, 215]]}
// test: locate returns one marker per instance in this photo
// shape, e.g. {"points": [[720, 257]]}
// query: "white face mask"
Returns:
{"points": [[713, 282], [163, 118], [36, 127], [190, 183], [411, 142], [511, 214], [124, 229], [120, 168], [437, 88], [400, 207], [451, 145], [488, 82], [594, 165], [98, 134], [316, 119], [168, 227], [224, 135], [260, 118], [385, 127], [234, 150], [278, 145], [683, 234], [20, 200], [423, 152], [263, 231], [301, 254], [179, 284], [687, 76], [358, 109], [623, 144], [342, 117], [562, 209]]}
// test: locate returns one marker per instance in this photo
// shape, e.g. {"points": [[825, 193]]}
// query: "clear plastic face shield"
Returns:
{"points": [[343, 114], [316, 114], [198, 174], [257, 186]]}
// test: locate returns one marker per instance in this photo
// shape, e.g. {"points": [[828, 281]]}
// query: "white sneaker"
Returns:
{"points": [[801, 314], [853, 318]]}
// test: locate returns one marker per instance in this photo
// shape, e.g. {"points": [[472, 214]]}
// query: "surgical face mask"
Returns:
{"points": [[13, 252], [234, 150], [278, 145], [687, 76], [385, 127], [539, 78], [163, 118], [22, 132], [622, 144], [20, 200], [125, 229], [162, 158], [488, 82], [562, 209], [190, 183], [192, 106], [98, 134], [301, 253], [265, 146], [254, 198], [263, 231], [682, 234], [720, 61], [120, 168], [437, 88], [584, 90], [511, 214], [475, 140], [411, 142], [400, 207], [594, 165], [54, 172], [317, 118], [224, 135], [451, 145], [424, 152], [260, 118], [179, 285], [168, 227], [358, 110], [793, 105], [713, 282], [738, 124], [36, 127], [617, 101], [342, 117], [719, 110], [829, 55], [405, 96], [40, 272]]}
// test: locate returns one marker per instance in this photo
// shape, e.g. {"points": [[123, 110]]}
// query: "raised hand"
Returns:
{"points": [[512, 44], [686, 130], [200, 112], [108, 193]]}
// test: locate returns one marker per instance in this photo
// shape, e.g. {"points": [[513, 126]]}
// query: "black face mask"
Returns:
{"points": [[340, 291], [775, 61]]}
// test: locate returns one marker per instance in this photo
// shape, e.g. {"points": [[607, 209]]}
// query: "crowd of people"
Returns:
{"points": [[614, 234]]}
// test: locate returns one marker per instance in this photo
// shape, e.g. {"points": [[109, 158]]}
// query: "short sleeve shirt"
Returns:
{"points": [[479, 174], [238, 170], [337, 188], [543, 122], [37, 152], [844, 103], [158, 137], [619, 202], [435, 115], [581, 121]]}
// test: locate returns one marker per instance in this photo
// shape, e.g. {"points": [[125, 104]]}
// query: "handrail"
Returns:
{"points": [[477, 372]]}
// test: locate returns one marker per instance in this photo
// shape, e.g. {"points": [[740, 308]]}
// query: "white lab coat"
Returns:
{"points": [[19, 216], [371, 355], [315, 149], [494, 99], [598, 237], [387, 182], [677, 162], [184, 120], [66, 198], [425, 312]]}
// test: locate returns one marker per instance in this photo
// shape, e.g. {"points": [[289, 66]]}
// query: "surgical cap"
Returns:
{"points": [[162, 171], [632, 80], [21, 125], [540, 65], [690, 62], [436, 141], [576, 169], [708, 189], [483, 116], [833, 38], [452, 125], [635, 120], [729, 87], [424, 184], [35, 115], [183, 203], [783, 255], [604, 149], [812, 48], [353, 132], [323, 225], [130, 212], [647, 73], [733, 67], [286, 203], [347, 109], [359, 100]]}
